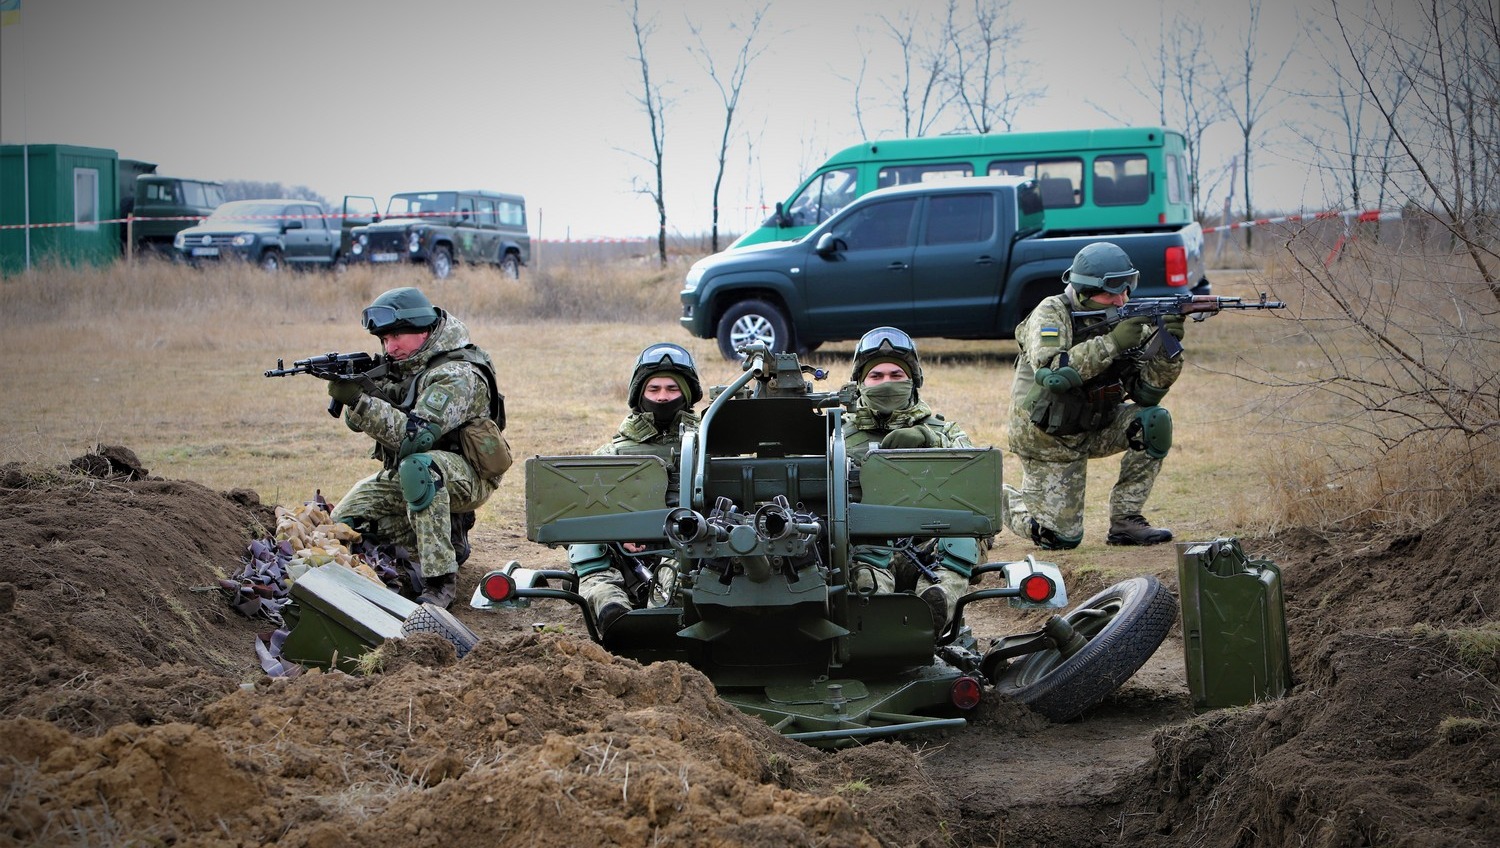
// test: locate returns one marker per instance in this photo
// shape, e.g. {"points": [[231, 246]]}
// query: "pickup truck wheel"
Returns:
{"points": [[510, 266], [1124, 625], [270, 261], [753, 321], [441, 262]]}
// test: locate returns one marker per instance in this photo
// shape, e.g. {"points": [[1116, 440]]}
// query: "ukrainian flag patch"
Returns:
{"points": [[1049, 335]]}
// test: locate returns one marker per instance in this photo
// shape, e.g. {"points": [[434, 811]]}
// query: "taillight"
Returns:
{"points": [[1037, 588], [497, 586], [1177, 274], [965, 693]]}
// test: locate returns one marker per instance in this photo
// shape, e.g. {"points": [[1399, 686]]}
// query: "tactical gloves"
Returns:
{"points": [[1176, 325], [346, 392], [1127, 333], [908, 437]]}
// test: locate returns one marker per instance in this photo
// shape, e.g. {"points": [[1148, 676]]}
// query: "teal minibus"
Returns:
{"points": [[1124, 179]]}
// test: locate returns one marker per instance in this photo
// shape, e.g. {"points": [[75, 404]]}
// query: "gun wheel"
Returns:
{"points": [[431, 618], [1124, 625]]}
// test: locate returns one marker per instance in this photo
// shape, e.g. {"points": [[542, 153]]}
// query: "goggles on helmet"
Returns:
{"points": [[379, 319], [889, 337], [666, 354], [1114, 282]]}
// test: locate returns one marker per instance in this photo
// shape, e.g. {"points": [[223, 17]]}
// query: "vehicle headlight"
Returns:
{"points": [[694, 276], [363, 239], [414, 241], [358, 247], [179, 240], [243, 240]]}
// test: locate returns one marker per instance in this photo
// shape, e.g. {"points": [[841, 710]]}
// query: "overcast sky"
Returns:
{"points": [[376, 97]]}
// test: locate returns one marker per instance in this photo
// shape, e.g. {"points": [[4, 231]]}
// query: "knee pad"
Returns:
{"points": [[1050, 540], [587, 559], [1151, 431], [419, 481], [958, 554]]}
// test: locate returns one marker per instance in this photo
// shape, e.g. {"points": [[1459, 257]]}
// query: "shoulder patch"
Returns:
{"points": [[436, 399], [1048, 335]]}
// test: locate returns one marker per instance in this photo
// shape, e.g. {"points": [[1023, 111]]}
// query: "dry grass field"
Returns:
{"points": [[168, 361]]}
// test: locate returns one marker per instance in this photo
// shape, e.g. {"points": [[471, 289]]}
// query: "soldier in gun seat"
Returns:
{"points": [[436, 416], [891, 414], [664, 388], [1079, 399]]}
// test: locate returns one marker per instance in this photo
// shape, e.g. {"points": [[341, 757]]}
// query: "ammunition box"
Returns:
{"points": [[559, 488], [966, 479]]}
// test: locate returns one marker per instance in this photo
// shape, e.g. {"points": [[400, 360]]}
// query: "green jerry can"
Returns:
{"points": [[1233, 625]]}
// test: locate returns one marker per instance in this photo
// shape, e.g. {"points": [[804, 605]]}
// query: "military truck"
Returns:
{"points": [[157, 207], [748, 575]]}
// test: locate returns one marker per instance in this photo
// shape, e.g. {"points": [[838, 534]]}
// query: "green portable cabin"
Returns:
{"points": [[71, 193]]}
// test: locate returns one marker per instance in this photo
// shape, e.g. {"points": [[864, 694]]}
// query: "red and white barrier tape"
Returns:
{"points": [[1350, 216]]}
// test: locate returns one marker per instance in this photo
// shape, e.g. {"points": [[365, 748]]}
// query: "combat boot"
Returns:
{"points": [[439, 589], [610, 613], [1135, 530], [459, 524]]}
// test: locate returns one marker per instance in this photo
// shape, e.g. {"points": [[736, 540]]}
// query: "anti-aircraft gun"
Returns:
{"points": [[754, 528]]}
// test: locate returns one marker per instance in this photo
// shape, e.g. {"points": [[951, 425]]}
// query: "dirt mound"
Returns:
{"points": [[136, 713], [1392, 735]]}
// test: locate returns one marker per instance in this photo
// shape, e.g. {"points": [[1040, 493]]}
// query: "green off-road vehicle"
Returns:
{"points": [[748, 576]]}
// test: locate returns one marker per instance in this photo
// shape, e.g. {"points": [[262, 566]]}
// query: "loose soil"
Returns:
{"points": [[135, 713]]}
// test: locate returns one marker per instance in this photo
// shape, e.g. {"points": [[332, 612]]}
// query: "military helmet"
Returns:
{"points": [[1102, 266], [887, 344], [403, 310], [665, 358]]}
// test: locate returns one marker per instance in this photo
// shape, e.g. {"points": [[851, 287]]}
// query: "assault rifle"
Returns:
{"points": [[359, 367], [1200, 306]]}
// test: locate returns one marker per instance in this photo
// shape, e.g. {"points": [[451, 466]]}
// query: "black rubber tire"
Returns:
{"points": [[1138, 615], [270, 261], [431, 618], [753, 320], [510, 266], [441, 262]]}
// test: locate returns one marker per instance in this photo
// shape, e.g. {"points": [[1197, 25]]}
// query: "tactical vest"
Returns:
{"points": [[1088, 408], [407, 392]]}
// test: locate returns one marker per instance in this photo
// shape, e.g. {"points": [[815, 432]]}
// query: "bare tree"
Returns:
{"points": [[920, 94], [1355, 147], [729, 93], [1246, 99], [988, 81], [655, 106], [1445, 125], [1181, 84]]}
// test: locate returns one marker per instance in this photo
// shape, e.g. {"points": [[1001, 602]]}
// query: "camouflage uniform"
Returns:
{"points": [[1048, 509], [448, 392], [599, 580], [653, 428], [890, 567]]}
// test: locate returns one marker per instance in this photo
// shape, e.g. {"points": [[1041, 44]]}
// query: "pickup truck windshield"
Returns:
{"points": [[246, 210]]}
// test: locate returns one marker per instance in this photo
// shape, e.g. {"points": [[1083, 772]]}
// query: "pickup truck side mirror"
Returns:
{"points": [[829, 244], [782, 219]]}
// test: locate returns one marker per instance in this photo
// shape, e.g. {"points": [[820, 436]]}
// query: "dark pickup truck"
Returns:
{"points": [[959, 259]]}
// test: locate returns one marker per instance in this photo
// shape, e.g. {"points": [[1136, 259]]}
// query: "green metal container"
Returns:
{"points": [[1233, 625]]}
